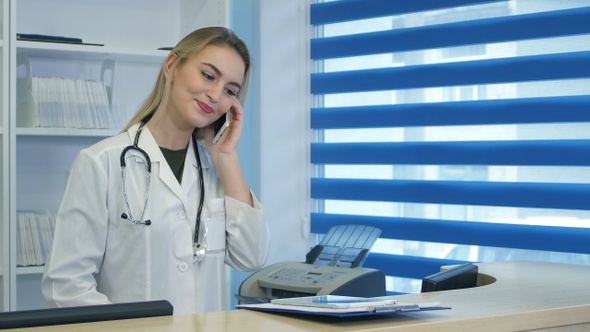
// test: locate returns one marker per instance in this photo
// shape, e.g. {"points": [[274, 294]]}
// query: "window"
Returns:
{"points": [[460, 128]]}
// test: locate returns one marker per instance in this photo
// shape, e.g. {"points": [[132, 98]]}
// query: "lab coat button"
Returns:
{"points": [[181, 215], [182, 267]]}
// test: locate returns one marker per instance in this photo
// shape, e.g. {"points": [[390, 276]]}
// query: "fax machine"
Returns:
{"points": [[331, 267]]}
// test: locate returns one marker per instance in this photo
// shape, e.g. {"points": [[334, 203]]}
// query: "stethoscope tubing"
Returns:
{"points": [[199, 249], [135, 147]]}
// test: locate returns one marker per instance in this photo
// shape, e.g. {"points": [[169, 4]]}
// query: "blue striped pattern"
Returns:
{"points": [[481, 112], [513, 194], [554, 65], [512, 28], [333, 12], [505, 70], [502, 153]]}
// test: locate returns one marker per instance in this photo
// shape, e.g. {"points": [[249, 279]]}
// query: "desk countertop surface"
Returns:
{"points": [[514, 296]]}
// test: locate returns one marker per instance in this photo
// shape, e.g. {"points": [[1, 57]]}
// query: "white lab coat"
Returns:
{"points": [[98, 257]]}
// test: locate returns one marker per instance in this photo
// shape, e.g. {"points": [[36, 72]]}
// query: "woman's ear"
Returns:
{"points": [[168, 64]]}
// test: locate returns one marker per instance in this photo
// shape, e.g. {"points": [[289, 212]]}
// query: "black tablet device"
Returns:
{"points": [[461, 276]]}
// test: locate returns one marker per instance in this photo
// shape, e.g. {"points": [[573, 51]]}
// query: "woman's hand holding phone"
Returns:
{"points": [[224, 154], [225, 132]]}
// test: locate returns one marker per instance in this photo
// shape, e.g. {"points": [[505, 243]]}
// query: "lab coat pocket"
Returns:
{"points": [[215, 224]]}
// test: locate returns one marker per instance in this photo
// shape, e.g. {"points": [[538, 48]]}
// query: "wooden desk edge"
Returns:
{"points": [[522, 321]]}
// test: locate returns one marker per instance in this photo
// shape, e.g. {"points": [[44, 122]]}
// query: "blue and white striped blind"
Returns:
{"points": [[453, 123]]}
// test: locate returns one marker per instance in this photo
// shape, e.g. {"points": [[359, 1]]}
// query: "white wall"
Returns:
{"points": [[274, 147], [284, 131]]}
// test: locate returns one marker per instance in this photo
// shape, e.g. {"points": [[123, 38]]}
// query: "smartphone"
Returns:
{"points": [[220, 126]]}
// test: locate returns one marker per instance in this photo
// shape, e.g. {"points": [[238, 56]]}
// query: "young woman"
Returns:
{"points": [[155, 212]]}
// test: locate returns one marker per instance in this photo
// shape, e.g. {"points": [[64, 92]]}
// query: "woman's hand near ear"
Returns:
{"points": [[224, 155]]}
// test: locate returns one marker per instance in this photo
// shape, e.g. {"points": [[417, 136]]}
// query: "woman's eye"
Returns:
{"points": [[208, 76], [231, 92]]}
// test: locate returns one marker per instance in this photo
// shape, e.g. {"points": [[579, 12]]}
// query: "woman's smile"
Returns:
{"points": [[204, 107]]}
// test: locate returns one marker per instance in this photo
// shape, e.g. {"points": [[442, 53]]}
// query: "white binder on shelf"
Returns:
{"points": [[54, 102]]}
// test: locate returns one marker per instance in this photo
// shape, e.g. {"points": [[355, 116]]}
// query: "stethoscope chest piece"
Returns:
{"points": [[199, 252]]}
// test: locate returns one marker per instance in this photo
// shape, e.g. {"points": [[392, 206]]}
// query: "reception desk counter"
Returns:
{"points": [[511, 296]]}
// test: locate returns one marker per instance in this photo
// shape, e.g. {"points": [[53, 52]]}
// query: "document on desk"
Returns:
{"points": [[337, 302], [371, 307]]}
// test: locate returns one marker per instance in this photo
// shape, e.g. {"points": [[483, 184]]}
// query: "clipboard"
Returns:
{"points": [[336, 301], [397, 308]]}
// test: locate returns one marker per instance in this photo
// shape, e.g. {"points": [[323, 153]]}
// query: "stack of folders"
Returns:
{"points": [[35, 236], [340, 306], [69, 103]]}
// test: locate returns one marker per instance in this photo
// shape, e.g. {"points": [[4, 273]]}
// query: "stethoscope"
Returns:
{"points": [[199, 247]]}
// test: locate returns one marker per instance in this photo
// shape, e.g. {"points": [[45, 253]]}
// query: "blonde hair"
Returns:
{"points": [[191, 44]]}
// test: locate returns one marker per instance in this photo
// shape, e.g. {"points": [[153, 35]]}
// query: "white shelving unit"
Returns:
{"points": [[35, 161]]}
